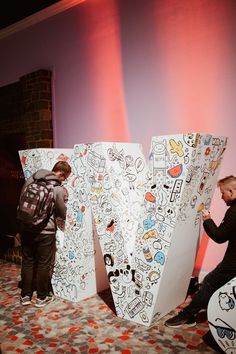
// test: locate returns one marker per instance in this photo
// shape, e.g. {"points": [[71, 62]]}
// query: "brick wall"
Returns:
{"points": [[26, 108]]}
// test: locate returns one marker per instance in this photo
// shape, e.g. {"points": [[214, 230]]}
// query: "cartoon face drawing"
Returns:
{"points": [[170, 214], [116, 287], [127, 274], [225, 335], [153, 277], [159, 148], [226, 302], [223, 330], [108, 259], [159, 257]]}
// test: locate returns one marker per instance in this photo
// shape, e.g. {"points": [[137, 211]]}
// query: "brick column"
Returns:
{"points": [[37, 108]]}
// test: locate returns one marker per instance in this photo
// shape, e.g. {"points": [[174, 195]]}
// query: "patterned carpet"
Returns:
{"points": [[89, 326]]}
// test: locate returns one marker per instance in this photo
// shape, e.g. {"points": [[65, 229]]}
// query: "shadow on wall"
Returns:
{"points": [[11, 181]]}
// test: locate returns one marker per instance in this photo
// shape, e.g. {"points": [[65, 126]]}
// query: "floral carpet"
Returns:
{"points": [[89, 326]]}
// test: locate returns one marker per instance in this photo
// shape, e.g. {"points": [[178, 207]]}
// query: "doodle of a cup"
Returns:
{"points": [[147, 254]]}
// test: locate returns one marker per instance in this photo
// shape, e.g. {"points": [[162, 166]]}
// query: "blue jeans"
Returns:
{"points": [[38, 255], [212, 282]]}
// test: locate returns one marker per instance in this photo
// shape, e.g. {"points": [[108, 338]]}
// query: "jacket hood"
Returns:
{"points": [[45, 174]]}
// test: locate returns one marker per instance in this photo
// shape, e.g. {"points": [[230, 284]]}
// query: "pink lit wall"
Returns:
{"points": [[128, 70]]}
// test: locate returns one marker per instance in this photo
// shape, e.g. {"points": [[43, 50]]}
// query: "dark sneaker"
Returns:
{"points": [[183, 319], [42, 303], [25, 300], [51, 296]]}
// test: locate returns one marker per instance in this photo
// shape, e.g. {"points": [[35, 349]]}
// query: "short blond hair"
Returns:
{"points": [[228, 181]]}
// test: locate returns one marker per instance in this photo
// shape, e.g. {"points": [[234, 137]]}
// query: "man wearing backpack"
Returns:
{"points": [[41, 202]]}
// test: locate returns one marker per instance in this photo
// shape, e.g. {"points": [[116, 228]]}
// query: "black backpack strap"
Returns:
{"points": [[49, 182]]}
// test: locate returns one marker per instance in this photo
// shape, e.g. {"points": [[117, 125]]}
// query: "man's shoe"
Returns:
{"points": [[50, 294], [183, 319], [42, 303], [25, 300]]}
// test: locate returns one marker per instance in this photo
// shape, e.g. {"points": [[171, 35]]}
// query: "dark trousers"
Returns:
{"points": [[212, 282], [38, 255]]}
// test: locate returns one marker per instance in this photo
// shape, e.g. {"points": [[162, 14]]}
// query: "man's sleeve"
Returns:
{"points": [[225, 230], [60, 207]]}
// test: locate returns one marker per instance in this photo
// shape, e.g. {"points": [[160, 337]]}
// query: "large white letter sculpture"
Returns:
{"points": [[147, 217]]}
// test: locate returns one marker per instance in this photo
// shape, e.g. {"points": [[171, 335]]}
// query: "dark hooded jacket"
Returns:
{"points": [[59, 208], [225, 232]]}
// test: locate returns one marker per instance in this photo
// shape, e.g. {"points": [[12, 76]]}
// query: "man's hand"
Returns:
{"points": [[206, 215]]}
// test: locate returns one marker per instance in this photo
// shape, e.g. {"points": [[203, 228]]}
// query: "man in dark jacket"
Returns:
{"points": [[38, 249], [226, 270]]}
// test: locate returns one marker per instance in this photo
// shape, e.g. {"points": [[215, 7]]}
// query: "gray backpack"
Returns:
{"points": [[36, 205]]}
